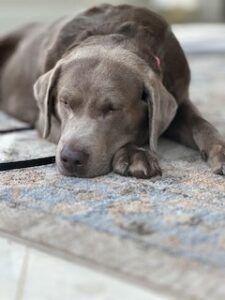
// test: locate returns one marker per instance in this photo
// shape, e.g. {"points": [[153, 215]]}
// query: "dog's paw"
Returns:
{"points": [[136, 162], [216, 159]]}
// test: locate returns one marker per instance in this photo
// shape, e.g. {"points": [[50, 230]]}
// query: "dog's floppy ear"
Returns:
{"points": [[43, 94], [162, 108]]}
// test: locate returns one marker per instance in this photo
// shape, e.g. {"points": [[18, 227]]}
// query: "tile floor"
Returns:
{"points": [[29, 274]]}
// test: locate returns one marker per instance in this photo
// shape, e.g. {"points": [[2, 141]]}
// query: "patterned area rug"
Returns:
{"points": [[168, 233]]}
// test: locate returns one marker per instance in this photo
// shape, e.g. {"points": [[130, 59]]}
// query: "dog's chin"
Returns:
{"points": [[65, 172], [84, 174]]}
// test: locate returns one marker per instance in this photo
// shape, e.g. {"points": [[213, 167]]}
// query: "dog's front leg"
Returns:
{"points": [[134, 161], [194, 131]]}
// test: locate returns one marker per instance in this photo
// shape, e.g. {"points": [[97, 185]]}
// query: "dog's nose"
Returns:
{"points": [[73, 160]]}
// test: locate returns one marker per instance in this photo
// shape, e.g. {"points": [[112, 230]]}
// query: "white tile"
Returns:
{"points": [[51, 278], [11, 264], [29, 274]]}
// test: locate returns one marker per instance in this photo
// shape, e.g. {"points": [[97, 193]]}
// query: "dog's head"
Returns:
{"points": [[104, 99]]}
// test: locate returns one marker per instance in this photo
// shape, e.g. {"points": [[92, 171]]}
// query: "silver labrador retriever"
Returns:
{"points": [[106, 82]]}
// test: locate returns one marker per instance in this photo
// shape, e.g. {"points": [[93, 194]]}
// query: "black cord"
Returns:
{"points": [[5, 131], [21, 164]]}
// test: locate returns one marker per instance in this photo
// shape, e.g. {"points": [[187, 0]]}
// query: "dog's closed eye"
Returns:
{"points": [[109, 108], [64, 101], [70, 102]]}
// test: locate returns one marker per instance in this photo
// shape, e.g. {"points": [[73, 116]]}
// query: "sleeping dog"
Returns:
{"points": [[102, 85]]}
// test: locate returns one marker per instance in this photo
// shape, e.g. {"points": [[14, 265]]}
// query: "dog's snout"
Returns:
{"points": [[73, 160]]}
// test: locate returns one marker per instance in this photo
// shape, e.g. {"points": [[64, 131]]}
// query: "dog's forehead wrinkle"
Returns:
{"points": [[66, 92]]}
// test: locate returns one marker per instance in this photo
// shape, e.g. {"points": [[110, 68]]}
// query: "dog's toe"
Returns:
{"points": [[121, 162], [217, 160], [220, 170], [155, 169], [144, 165], [139, 166], [223, 170]]}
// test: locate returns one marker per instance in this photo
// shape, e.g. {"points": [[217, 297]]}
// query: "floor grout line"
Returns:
{"points": [[23, 275]]}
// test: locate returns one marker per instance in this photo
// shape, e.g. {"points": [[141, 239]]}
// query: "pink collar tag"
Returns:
{"points": [[158, 62]]}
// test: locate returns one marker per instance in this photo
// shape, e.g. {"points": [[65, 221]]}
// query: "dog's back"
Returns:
{"points": [[17, 60]]}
